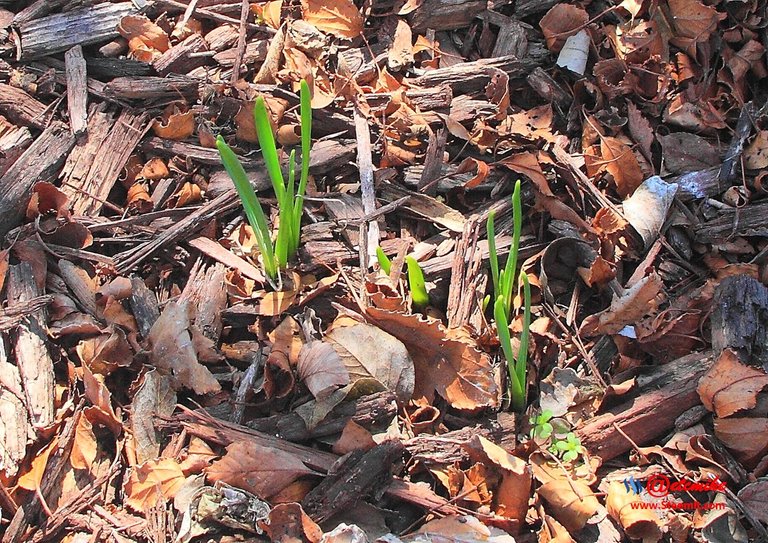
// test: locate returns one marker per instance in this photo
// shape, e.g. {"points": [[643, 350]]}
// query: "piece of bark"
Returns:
{"points": [[14, 140], [92, 190], [37, 9], [180, 58], [512, 35], [425, 206], [443, 449], [110, 68], [215, 251], [77, 90], [466, 282], [549, 89], [144, 306], [255, 52], [363, 63], [61, 31], [179, 230], [473, 76], [370, 230], [40, 162], [197, 153], [15, 428], [221, 38], [344, 209], [81, 291], [746, 221], [206, 292], [357, 476], [700, 184], [448, 14], [153, 89], [524, 8], [371, 411], [32, 356], [21, 108], [649, 411], [740, 319], [15, 313], [83, 156], [433, 162], [203, 13]]}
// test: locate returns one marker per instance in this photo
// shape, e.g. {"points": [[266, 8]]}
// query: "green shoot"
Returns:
{"points": [[505, 283], [541, 427], [568, 449], [290, 199], [384, 262], [416, 283]]}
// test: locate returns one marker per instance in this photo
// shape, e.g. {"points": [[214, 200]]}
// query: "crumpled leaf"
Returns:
{"points": [[288, 523], [636, 302], [754, 496], [637, 523], [561, 21], [176, 123], [730, 386], [150, 481], [46, 198], [646, 210], [321, 369], [260, 470], [173, 352], [339, 18], [446, 361], [146, 40], [368, 351], [622, 164], [746, 437]]}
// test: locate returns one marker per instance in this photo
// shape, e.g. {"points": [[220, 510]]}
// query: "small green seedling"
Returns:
{"points": [[290, 199], [567, 449], [541, 428], [416, 283]]}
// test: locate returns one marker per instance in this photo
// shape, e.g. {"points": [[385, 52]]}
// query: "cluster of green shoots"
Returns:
{"points": [[562, 442], [416, 283], [290, 198], [505, 283]]}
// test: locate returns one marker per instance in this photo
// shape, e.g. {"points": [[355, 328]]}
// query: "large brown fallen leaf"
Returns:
{"points": [[622, 164], [747, 438], [172, 350], [754, 496], [262, 471], [636, 302], [446, 361], [637, 523], [730, 386], [368, 351], [321, 369], [288, 523], [339, 18], [561, 21], [152, 480]]}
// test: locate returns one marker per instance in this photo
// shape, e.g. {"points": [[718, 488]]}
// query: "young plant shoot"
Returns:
{"points": [[505, 283], [416, 283], [290, 199]]}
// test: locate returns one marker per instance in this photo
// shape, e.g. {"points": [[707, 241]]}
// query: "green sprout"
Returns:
{"points": [[416, 283], [290, 199], [541, 427], [505, 282], [568, 449]]}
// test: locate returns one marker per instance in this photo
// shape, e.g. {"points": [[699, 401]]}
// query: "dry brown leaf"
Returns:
{"points": [[288, 523], [321, 369], [447, 361], [571, 502], [138, 199], [730, 386], [188, 194], [260, 470], [554, 532], [622, 164], [756, 153], [270, 12], [469, 164], [560, 22], [353, 438], [754, 496], [198, 456], [151, 481], [47, 198], [106, 352], [84, 446], [339, 18], [140, 31], [4, 259], [635, 303], [638, 523], [369, 352], [100, 398], [693, 20], [31, 478], [154, 170], [172, 350], [527, 164], [176, 123], [400, 54], [458, 529], [747, 438]]}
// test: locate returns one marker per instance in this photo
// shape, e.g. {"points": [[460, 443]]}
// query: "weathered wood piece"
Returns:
{"points": [[83, 156], [13, 141], [61, 31], [650, 411], [206, 292], [740, 319], [374, 410], [15, 428], [357, 476], [21, 108], [472, 76], [32, 356], [40, 162], [155, 89], [746, 221], [448, 14], [91, 191], [110, 68], [77, 90], [180, 58], [144, 306]]}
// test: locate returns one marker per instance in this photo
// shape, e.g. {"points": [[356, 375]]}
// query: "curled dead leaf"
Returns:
{"points": [[176, 123], [730, 386], [321, 369], [637, 523], [339, 18]]}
